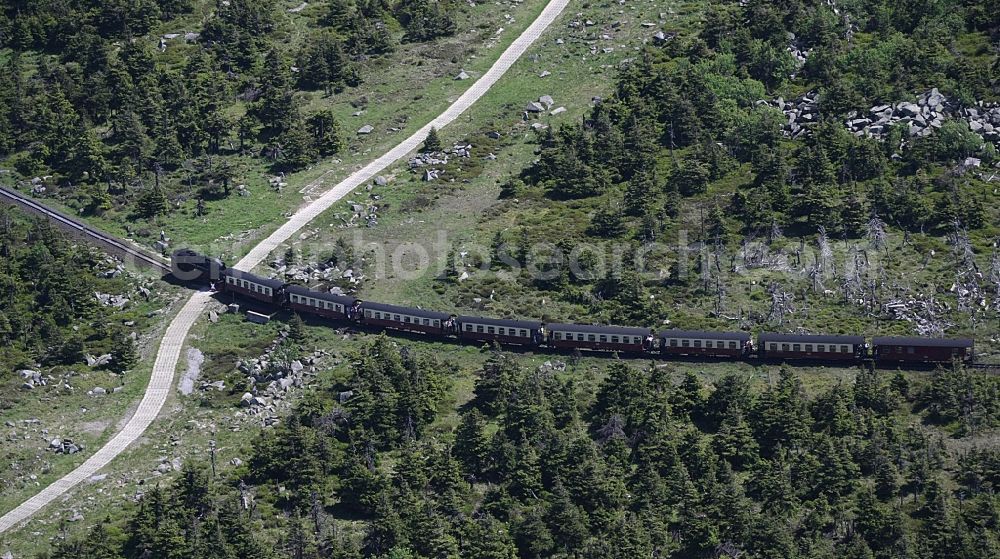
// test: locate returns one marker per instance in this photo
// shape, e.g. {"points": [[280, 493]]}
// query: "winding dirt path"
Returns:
{"points": [[162, 378]]}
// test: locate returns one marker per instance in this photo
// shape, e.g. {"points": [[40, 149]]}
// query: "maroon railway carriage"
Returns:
{"points": [[921, 350], [516, 332], [404, 318], [808, 346], [604, 338], [699, 342], [326, 305], [245, 284]]}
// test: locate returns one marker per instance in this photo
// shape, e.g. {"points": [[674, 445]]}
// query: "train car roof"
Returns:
{"points": [[422, 313], [302, 290], [705, 334], [810, 338], [530, 324], [599, 329], [240, 274], [922, 342]]}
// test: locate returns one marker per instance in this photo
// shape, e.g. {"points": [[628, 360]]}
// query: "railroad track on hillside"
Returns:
{"points": [[161, 379], [87, 232]]}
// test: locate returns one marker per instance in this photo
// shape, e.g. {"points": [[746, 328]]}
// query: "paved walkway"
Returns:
{"points": [[162, 379]]}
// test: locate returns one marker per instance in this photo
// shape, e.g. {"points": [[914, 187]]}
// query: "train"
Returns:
{"points": [[189, 266]]}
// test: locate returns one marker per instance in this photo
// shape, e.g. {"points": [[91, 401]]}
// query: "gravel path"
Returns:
{"points": [[162, 378]]}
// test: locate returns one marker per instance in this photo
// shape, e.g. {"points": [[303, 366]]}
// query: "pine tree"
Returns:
{"points": [[432, 143], [472, 443], [296, 330], [123, 352], [152, 203], [326, 132]]}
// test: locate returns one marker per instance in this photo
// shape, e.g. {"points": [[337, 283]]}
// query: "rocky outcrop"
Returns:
{"points": [[918, 118]]}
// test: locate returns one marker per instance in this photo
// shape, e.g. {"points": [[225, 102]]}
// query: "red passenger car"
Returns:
{"points": [[887, 349], [808, 346], [245, 284]]}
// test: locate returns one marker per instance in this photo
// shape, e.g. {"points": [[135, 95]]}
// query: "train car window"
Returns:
{"points": [[673, 342], [732, 345], [685, 343], [614, 339], [821, 348], [437, 322], [591, 338], [479, 328], [395, 317], [796, 347], [491, 330], [503, 331], [697, 343], [845, 349], [604, 338], [557, 335], [772, 347], [809, 348], [784, 347], [523, 332], [368, 314]]}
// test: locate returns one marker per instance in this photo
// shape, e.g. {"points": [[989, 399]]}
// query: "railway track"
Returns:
{"points": [[87, 232]]}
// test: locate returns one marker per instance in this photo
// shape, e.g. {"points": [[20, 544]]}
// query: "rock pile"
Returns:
{"points": [[31, 379], [316, 272], [919, 119], [431, 162], [64, 446], [270, 379]]}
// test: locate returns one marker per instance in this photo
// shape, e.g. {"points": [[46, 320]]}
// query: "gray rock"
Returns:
{"points": [[55, 443], [236, 462], [909, 109], [534, 107], [246, 399], [366, 129], [164, 468], [546, 100], [558, 110], [286, 383], [76, 517], [213, 316], [99, 391], [28, 385], [381, 181], [544, 74], [97, 478], [462, 75], [27, 373], [296, 366]]}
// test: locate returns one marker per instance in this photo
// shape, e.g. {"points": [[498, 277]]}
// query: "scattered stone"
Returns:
{"points": [[98, 391], [381, 181], [246, 399], [366, 129], [76, 517], [547, 101], [544, 74], [534, 107], [55, 443], [462, 76], [236, 462], [97, 478], [213, 316], [558, 110], [298, 8]]}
